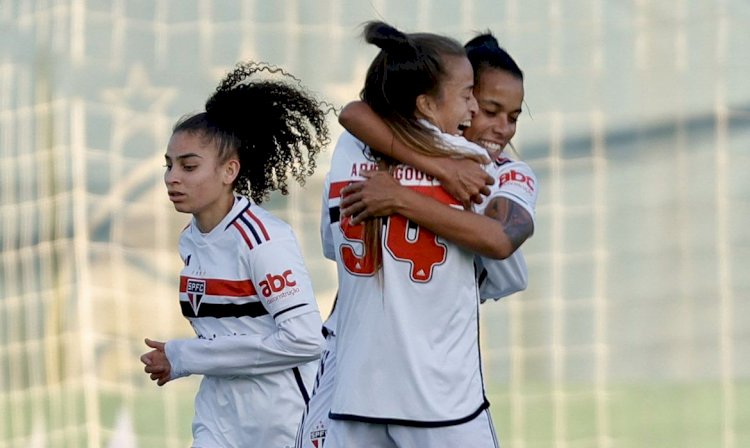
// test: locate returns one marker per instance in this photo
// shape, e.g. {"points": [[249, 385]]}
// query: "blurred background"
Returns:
{"points": [[635, 328]]}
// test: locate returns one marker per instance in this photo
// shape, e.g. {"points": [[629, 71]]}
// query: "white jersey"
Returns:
{"points": [[246, 292], [407, 335], [514, 180]]}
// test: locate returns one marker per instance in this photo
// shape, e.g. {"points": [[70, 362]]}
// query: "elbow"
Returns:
{"points": [[312, 345], [317, 345], [347, 114], [499, 248]]}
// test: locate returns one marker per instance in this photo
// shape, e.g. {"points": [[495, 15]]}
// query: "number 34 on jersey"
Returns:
{"points": [[401, 239]]}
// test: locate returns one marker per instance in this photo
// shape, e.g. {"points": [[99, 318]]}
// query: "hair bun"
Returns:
{"points": [[388, 38], [485, 39]]}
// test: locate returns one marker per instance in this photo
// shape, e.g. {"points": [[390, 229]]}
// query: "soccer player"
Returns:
{"points": [[499, 92], [244, 287], [408, 369]]}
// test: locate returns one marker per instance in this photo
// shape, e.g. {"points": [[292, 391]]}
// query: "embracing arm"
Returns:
{"points": [[381, 195], [463, 178]]}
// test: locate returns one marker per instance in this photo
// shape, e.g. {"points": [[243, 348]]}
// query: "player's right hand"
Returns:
{"points": [[156, 363], [465, 180]]}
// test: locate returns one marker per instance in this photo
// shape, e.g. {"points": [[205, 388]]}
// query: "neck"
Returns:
{"points": [[208, 219]]}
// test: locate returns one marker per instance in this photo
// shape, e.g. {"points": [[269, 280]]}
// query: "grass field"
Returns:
{"points": [[533, 416], [637, 415]]}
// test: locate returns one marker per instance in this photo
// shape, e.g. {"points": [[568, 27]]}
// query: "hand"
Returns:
{"points": [[375, 196], [157, 364], [464, 179]]}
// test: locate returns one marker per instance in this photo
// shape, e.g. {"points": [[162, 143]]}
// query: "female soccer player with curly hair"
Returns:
{"points": [[244, 286]]}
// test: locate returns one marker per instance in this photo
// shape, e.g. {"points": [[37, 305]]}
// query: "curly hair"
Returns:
{"points": [[274, 128]]}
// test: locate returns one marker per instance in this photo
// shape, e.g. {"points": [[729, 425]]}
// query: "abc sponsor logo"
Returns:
{"points": [[278, 285], [515, 176]]}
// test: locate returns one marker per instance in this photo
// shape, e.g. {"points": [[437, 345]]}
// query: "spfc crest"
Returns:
{"points": [[195, 291], [318, 435]]}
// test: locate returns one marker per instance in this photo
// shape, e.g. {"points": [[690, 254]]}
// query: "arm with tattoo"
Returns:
{"points": [[515, 220]]}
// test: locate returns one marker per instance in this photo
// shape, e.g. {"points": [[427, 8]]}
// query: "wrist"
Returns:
{"points": [[406, 200]]}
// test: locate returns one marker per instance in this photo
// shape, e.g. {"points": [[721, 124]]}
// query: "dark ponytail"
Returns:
{"points": [[274, 128]]}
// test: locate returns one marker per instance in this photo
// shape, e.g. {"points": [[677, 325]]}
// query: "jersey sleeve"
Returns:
{"points": [[516, 182], [500, 278], [295, 341], [281, 280]]}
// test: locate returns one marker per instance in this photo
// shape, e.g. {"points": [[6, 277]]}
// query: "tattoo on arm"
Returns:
{"points": [[516, 221]]}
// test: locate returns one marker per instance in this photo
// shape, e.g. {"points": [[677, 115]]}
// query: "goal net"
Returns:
{"points": [[633, 331]]}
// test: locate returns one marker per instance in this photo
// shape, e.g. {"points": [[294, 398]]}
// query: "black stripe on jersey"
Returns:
{"points": [[252, 229], [301, 384], [502, 161], [334, 213], [414, 423], [238, 215], [482, 277], [288, 309], [252, 309], [479, 355]]}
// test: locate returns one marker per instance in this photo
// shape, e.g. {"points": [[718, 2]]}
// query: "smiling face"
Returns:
{"points": [[197, 181], [500, 97], [453, 106]]}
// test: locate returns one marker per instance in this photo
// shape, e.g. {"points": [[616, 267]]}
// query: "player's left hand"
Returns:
{"points": [[156, 362]]}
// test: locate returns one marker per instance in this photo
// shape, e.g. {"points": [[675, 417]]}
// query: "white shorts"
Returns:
{"points": [[476, 433], [315, 421]]}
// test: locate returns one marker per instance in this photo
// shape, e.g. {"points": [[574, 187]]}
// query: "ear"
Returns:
{"points": [[230, 171], [426, 107]]}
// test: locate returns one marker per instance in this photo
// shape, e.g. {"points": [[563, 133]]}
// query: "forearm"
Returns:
{"points": [[477, 233], [295, 341], [359, 119]]}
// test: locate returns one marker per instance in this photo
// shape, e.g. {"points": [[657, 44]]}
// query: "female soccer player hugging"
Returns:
{"points": [[408, 368], [244, 286]]}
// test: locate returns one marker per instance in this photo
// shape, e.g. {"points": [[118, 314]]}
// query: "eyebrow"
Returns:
{"points": [[183, 156], [498, 105]]}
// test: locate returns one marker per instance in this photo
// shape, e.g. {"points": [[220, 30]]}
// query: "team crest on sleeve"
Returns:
{"points": [[318, 435], [195, 291]]}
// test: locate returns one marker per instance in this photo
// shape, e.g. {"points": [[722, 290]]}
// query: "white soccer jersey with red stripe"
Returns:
{"points": [[246, 292], [407, 340]]}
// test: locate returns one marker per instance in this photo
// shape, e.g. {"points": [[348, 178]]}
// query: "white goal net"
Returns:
{"points": [[634, 330]]}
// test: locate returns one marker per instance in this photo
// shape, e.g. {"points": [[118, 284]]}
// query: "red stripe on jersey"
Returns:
{"points": [[222, 287], [242, 232], [437, 192], [335, 191], [260, 224]]}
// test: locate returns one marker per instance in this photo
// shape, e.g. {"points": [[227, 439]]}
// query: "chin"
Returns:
{"points": [[182, 208]]}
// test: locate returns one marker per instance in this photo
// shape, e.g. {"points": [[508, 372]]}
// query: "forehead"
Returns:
{"points": [[459, 72], [182, 143], [500, 86]]}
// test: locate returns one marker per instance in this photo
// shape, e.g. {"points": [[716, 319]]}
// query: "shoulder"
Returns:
{"points": [[254, 226], [350, 157], [509, 170], [506, 163], [348, 144]]}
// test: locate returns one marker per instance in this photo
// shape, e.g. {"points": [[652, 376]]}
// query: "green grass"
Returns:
{"points": [[690, 415], [633, 415]]}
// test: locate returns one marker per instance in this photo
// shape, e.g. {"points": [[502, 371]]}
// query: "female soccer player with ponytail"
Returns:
{"points": [[408, 370], [244, 286], [499, 92]]}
